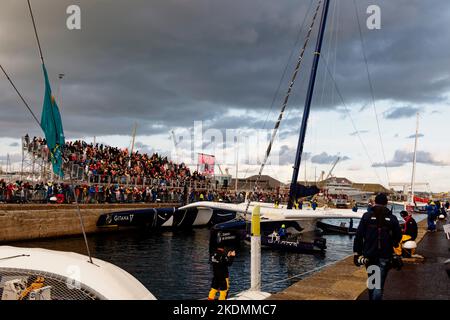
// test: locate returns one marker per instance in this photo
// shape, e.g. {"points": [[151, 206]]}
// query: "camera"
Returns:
{"points": [[360, 260]]}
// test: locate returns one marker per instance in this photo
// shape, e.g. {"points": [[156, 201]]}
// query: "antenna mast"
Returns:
{"points": [[413, 177]]}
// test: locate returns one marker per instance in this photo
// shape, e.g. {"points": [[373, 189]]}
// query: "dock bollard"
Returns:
{"points": [[255, 263]]}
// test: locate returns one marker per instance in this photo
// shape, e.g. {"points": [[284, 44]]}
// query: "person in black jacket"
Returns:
{"points": [[377, 235], [410, 228], [221, 260]]}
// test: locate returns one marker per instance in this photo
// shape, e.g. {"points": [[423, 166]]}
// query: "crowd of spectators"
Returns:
{"points": [[25, 192], [116, 165], [120, 177]]}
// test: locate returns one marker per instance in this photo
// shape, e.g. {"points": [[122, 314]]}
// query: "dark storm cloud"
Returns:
{"points": [[325, 158], [401, 112], [413, 136], [402, 157], [166, 63]]}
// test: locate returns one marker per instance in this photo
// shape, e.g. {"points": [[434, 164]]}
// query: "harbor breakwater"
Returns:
{"points": [[38, 221]]}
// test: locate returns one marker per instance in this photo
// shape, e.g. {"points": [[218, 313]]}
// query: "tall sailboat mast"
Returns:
{"points": [[309, 95], [413, 177]]}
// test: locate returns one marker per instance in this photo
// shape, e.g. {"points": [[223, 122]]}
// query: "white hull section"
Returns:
{"points": [[102, 279], [203, 217], [277, 214]]}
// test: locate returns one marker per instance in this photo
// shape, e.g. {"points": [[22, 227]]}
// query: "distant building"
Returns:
{"points": [[266, 183]]}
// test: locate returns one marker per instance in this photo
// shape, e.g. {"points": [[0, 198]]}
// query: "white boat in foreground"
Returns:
{"points": [[40, 274]]}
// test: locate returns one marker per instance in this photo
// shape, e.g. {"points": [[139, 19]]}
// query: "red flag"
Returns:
{"points": [[206, 163]]}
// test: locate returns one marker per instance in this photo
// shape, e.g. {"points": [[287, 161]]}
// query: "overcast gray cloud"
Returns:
{"points": [[325, 158], [401, 112], [402, 157], [287, 155], [166, 63]]}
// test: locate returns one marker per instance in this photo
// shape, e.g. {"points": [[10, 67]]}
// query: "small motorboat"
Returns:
{"points": [[294, 244], [343, 228], [232, 233]]}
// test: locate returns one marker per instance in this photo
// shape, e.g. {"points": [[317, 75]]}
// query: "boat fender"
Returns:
{"points": [[409, 245]]}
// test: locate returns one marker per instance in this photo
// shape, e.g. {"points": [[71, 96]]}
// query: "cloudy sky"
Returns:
{"points": [[165, 64]]}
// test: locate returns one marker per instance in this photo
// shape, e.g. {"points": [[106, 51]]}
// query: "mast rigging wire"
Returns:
{"points": [[351, 119], [20, 96], [286, 99], [369, 78], [35, 31]]}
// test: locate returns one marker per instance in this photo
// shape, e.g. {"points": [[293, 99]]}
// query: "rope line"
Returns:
{"points": [[13, 257]]}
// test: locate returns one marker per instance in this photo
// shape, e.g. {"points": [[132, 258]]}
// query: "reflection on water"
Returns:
{"points": [[174, 264]]}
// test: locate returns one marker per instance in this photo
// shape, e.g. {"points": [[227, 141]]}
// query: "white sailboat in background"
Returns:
{"points": [[412, 203]]}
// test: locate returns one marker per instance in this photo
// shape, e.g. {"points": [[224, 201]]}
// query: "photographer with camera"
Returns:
{"points": [[221, 260], [377, 235]]}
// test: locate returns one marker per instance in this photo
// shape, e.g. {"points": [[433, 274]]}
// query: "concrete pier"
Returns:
{"points": [[427, 280], [38, 221], [342, 280]]}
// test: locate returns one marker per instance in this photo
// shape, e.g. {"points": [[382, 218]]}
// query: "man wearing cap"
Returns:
{"points": [[377, 235], [410, 228]]}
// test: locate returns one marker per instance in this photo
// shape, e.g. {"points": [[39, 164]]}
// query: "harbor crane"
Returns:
{"points": [[332, 168]]}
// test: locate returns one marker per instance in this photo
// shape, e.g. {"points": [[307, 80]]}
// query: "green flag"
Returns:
{"points": [[52, 125]]}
